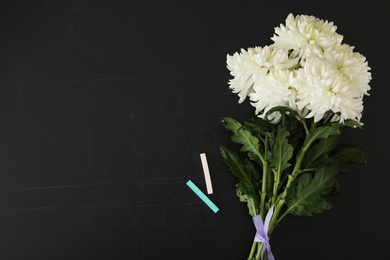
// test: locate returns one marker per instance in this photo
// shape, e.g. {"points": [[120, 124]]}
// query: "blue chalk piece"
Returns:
{"points": [[201, 195]]}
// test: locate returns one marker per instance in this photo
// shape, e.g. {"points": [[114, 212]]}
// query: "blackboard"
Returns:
{"points": [[105, 107]]}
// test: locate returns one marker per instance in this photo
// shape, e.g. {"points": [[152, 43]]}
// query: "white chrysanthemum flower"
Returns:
{"points": [[322, 88], [277, 58], [272, 90], [248, 65], [242, 67], [308, 69], [306, 34], [352, 64]]}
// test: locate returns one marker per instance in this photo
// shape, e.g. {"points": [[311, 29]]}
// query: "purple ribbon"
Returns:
{"points": [[262, 233]]}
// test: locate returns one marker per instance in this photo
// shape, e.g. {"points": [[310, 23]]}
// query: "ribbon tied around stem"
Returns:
{"points": [[262, 233]]}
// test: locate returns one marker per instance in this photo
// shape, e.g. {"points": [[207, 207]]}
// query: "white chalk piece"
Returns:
{"points": [[206, 173]]}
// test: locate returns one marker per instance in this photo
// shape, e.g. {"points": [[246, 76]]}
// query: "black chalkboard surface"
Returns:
{"points": [[106, 106]]}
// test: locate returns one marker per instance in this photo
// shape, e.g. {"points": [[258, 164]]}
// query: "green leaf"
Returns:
{"points": [[282, 151], [322, 132], [260, 126], [250, 143], [231, 124], [320, 151], [346, 154], [305, 197], [244, 170], [297, 135], [250, 202], [352, 123], [283, 110]]}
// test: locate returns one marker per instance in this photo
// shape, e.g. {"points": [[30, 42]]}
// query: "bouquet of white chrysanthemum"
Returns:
{"points": [[305, 88]]}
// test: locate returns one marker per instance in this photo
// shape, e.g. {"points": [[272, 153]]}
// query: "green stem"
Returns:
{"points": [[282, 198], [276, 186], [259, 249], [264, 180], [296, 171], [253, 250], [255, 253]]}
